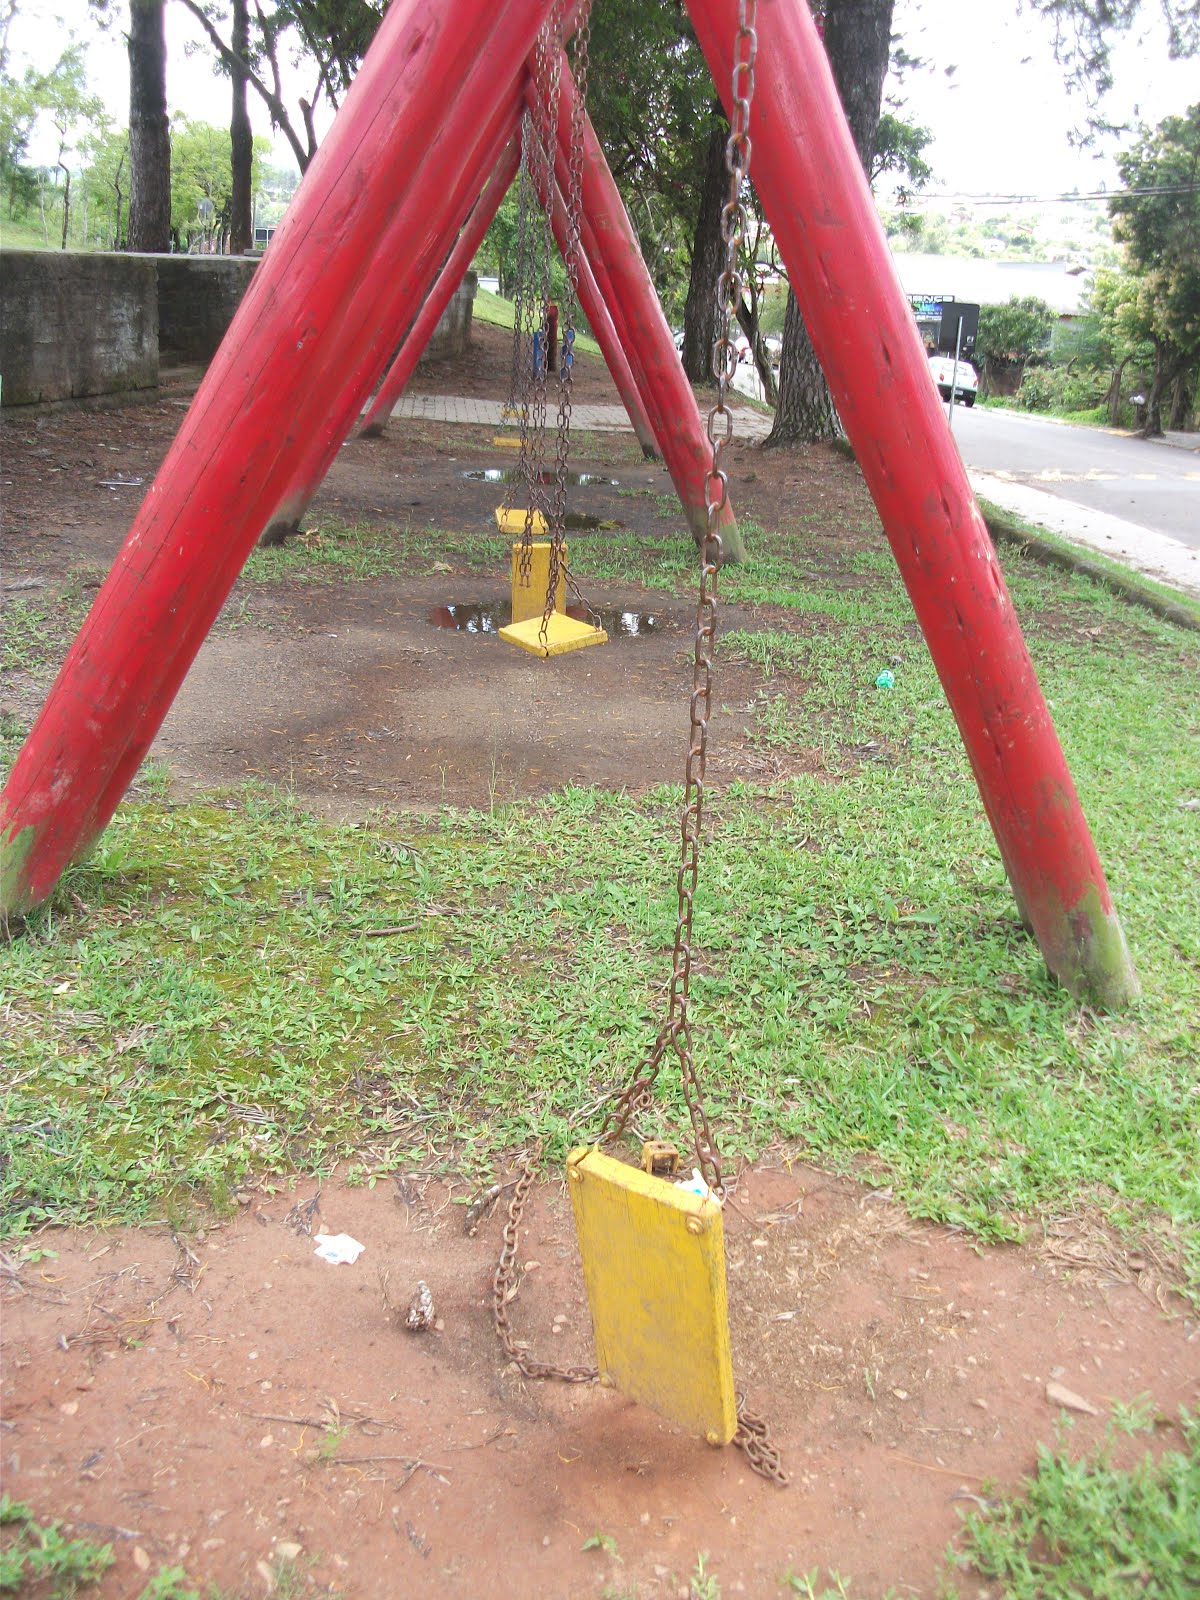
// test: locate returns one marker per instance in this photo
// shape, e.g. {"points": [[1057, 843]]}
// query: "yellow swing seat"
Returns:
{"points": [[563, 633], [512, 520], [654, 1265]]}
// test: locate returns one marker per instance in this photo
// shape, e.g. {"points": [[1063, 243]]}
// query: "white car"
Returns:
{"points": [[965, 379]]}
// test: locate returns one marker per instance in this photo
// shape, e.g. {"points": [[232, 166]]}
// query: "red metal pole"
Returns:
{"points": [[439, 297], [261, 413], [821, 212], [601, 323], [625, 286], [403, 268], [387, 288]]}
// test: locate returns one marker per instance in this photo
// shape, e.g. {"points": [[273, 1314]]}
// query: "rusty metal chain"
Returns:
{"points": [[547, 77], [752, 1436], [676, 1030], [573, 207], [504, 1290], [523, 342]]}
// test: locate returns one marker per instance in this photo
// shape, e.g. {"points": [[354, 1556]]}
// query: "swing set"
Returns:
{"points": [[398, 197]]}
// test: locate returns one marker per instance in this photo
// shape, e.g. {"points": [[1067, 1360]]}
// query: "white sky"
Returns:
{"points": [[1001, 123]]}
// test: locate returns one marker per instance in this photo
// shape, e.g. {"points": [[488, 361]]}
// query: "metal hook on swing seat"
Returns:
{"points": [[660, 1158]]}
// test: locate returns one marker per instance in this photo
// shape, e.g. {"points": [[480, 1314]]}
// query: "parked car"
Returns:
{"points": [[965, 379]]}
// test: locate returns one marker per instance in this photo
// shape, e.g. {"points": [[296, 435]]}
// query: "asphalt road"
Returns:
{"points": [[1151, 484]]}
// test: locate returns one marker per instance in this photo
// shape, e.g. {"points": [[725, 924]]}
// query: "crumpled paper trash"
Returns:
{"points": [[696, 1185], [337, 1248]]}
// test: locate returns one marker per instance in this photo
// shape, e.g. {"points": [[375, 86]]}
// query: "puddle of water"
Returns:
{"points": [[581, 480], [488, 617]]}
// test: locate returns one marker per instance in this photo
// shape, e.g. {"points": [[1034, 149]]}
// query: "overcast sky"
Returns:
{"points": [[1005, 75]]}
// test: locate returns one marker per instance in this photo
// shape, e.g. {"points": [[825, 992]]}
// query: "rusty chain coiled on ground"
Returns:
{"points": [[752, 1436]]}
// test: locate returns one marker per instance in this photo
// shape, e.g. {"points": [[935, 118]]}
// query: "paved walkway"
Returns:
{"points": [[747, 423]]}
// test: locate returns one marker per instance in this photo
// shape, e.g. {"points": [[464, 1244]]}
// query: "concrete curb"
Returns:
{"points": [[1126, 586]]}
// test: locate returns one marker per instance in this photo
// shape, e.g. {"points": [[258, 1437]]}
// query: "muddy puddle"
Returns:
{"points": [[578, 480], [489, 616]]}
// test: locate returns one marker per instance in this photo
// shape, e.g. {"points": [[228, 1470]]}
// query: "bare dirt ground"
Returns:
{"points": [[356, 693], [228, 1402]]}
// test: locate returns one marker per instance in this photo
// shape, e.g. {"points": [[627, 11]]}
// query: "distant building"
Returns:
{"points": [[1063, 287]]}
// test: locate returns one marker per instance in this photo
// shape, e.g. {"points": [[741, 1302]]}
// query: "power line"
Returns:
{"points": [[1050, 199]]}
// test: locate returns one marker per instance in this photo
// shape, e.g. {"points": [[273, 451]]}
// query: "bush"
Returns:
{"points": [[1056, 389]]}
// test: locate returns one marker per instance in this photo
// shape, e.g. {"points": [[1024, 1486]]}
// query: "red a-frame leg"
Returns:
{"points": [[612, 250], [261, 417], [806, 170], [439, 297]]}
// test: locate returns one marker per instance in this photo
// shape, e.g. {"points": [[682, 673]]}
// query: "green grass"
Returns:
{"points": [[334, 550], [36, 1555], [1083, 1528], [1129, 578], [489, 307], [203, 1004]]}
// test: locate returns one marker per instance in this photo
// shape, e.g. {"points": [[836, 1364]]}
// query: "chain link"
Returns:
{"points": [[752, 1433], [676, 1030], [573, 207]]}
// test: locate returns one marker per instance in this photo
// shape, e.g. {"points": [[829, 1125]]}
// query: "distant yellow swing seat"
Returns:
{"points": [[562, 633]]}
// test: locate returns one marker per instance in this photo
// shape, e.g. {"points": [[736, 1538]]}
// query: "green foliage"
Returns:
{"points": [[1058, 390], [1083, 1529], [1157, 221], [899, 151], [39, 1554], [202, 178], [59, 100], [1010, 334]]}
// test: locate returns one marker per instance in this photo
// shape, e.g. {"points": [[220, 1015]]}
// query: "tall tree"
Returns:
{"points": [[149, 130], [858, 36], [241, 205], [708, 257], [1157, 221]]}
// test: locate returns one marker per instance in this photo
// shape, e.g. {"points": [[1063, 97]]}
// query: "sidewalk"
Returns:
{"points": [[748, 423], [1140, 548]]}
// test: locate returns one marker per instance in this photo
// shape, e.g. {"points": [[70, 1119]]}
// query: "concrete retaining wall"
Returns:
{"points": [[453, 332], [75, 323], [197, 297]]}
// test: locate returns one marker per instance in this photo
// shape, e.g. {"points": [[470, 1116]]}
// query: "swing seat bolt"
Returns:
{"points": [[694, 1225], [711, 1437]]}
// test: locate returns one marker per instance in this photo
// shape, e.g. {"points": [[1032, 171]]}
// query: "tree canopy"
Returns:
{"points": [[1156, 219]]}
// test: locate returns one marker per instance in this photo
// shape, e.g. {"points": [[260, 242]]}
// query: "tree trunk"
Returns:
{"points": [[241, 205], [149, 132], [1181, 403], [708, 260], [1112, 399], [804, 412], [858, 36], [747, 315], [1168, 366], [66, 204]]}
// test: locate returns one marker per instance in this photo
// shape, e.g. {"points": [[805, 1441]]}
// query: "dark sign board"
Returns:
{"points": [[954, 312]]}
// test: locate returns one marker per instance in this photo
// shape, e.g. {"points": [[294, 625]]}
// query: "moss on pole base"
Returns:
{"points": [[1090, 958]]}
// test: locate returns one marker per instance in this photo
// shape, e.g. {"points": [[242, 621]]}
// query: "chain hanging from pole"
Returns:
{"points": [[522, 349], [573, 208], [752, 1436]]}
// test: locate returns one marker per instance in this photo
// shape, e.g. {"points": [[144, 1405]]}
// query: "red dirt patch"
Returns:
{"points": [[208, 1410]]}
